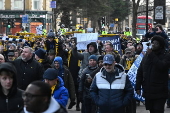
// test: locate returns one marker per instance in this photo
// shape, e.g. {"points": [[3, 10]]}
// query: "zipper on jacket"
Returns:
{"points": [[7, 104]]}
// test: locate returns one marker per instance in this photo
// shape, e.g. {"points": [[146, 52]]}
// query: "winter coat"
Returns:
{"points": [[54, 107], [13, 101], [112, 94], [152, 75], [27, 72], [65, 74], [84, 86], [85, 55], [60, 93]]}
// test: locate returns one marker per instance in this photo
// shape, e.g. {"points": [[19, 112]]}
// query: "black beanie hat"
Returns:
{"points": [[40, 53], [50, 74], [100, 57], [94, 45], [160, 39], [51, 35]]}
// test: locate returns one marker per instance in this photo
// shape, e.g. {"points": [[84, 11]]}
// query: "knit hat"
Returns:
{"points": [[51, 52], [160, 39], [51, 35], [50, 74], [11, 54], [93, 57], [40, 53], [108, 59], [128, 50]]}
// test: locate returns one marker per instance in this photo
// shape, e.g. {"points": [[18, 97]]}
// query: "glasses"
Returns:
{"points": [[29, 95], [108, 64]]}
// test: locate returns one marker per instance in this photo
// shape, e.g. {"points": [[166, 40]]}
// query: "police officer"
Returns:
{"points": [[127, 32], [103, 31], [81, 29], [62, 30]]}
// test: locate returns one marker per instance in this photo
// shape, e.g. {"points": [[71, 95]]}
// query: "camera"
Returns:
{"points": [[154, 29]]}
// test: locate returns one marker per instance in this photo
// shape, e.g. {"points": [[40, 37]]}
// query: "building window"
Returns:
{"points": [[18, 4], [36, 4], [2, 4]]}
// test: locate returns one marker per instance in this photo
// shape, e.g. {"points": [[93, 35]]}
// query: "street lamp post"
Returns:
{"points": [[147, 15]]}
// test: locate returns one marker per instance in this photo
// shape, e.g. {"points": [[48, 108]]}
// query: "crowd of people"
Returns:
{"points": [[42, 76]]}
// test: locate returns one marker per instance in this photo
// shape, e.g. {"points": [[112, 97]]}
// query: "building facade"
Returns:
{"points": [[38, 11]]}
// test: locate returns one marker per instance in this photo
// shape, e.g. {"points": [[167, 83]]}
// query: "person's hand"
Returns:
{"points": [[149, 50], [138, 92], [89, 80], [150, 30]]}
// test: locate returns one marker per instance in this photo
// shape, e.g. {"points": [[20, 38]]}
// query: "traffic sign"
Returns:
{"points": [[52, 4], [24, 18], [159, 12]]}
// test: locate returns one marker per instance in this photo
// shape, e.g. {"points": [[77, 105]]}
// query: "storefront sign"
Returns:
{"points": [[20, 16]]}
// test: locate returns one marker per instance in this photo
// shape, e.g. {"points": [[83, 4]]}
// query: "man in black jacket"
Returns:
{"points": [[28, 70], [152, 75]]}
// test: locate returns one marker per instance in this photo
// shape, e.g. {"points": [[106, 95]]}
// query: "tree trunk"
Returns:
{"points": [[135, 8]]}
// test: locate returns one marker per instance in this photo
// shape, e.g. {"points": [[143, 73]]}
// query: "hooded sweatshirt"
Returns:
{"points": [[13, 101], [60, 69]]}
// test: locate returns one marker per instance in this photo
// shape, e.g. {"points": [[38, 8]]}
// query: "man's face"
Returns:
{"points": [[109, 67], [10, 58], [2, 59], [51, 57], [92, 63], [6, 80], [108, 48], [50, 39], [139, 47], [26, 54], [33, 99], [16, 54], [91, 49], [56, 64], [100, 63], [51, 82], [128, 54], [129, 44], [155, 45]]}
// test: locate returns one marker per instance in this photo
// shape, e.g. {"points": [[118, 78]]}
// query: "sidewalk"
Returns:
{"points": [[140, 109]]}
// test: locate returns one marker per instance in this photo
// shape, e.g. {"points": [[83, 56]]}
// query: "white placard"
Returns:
{"points": [[83, 39]]}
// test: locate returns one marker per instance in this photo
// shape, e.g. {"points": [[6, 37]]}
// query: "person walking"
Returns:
{"points": [[152, 76], [111, 89]]}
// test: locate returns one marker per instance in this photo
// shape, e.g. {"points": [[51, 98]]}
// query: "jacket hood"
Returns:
{"points": [[94, 45], [9, 67], [60, 81], [59, 60], [53, 107]]}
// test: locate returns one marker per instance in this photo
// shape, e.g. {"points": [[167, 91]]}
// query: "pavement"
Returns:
{"points": [[140, 109]]}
